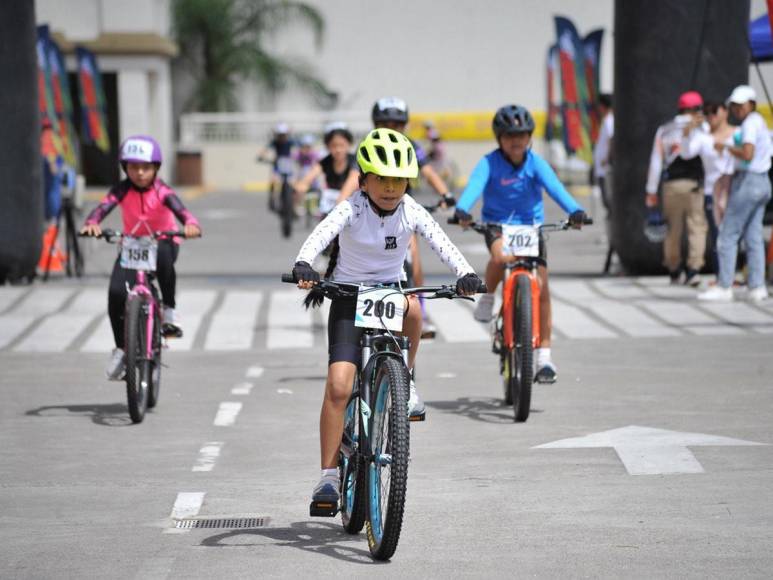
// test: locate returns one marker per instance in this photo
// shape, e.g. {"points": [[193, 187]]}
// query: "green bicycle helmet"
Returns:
{"points": [[387, 153]]}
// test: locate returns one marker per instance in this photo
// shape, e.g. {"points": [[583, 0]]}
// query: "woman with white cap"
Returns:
{"points": [[750, 191]]}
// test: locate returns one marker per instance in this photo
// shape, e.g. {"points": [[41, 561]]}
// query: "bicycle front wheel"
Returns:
{"points": [[137, 367], [353, 495], [522, 356], [390, 446]]}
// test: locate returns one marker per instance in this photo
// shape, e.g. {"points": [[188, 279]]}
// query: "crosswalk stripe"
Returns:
{"points": [[9, 295], [630, 319], [38, 302], [572, 322], [101, 339], [687, 316], [192, 305], [289, 323], [233, 324], [738, 312], [455, 323], [58, 330], [619, 288]]}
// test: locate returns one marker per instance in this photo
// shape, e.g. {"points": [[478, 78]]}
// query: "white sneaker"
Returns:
{"points": [[415, 404], [717, 294], [758, 294], [484, 310], [171, 323], [116, 367]]}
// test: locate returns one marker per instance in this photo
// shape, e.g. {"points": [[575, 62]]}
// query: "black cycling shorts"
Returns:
{"points": [[494, 232]]}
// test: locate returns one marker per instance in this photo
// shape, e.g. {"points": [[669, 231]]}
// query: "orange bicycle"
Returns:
{"points": [[517, 327]]}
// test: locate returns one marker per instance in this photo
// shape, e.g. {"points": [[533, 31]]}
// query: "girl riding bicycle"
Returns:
{"points": [[374, 227], [511, 179], [339, 167], [147, 205]]}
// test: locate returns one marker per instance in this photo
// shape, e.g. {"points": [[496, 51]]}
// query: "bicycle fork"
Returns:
{"points": [[508, 307]]}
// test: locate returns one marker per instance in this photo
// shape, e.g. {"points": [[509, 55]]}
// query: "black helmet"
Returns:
{"points": [[512, 119], [389, 109]]}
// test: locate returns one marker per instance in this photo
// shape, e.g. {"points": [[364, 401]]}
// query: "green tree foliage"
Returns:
{"points": [[223, 42]]}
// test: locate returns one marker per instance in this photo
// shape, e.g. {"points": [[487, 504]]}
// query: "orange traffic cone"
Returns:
{"points": [[52, 259]]}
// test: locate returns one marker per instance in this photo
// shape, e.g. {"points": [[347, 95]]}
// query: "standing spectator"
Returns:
{"points": [[749, 193], [681, 177], [52, 170], [717, 165]]}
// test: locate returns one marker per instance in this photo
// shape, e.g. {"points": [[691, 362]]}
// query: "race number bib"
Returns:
{"points": [[284, 166], [327, 200], [139, 253], [520, 240], [381, 308]]}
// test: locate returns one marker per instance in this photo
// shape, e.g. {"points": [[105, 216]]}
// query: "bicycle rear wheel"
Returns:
{"points": [[522, 356], [137, 365], [388, 470], [286, 209], [353, 495], [155, 365]]}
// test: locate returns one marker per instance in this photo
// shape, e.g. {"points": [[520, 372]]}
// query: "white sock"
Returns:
{"points": [[543, 356], [331, 473]]}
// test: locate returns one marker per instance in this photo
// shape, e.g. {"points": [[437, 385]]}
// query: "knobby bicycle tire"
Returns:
{"points": [[353, 484], [154, 375], [524, 350], [286, 209], [136, 378], [389, 439]]}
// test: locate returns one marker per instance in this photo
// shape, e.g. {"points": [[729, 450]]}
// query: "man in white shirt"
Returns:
{"points": [[750, 191], [602, 160]]}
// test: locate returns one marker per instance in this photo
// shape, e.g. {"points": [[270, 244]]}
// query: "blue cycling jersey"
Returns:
{"points": [[513, 194]]}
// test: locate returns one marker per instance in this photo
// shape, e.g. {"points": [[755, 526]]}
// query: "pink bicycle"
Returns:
{"points": [[142, 321]]}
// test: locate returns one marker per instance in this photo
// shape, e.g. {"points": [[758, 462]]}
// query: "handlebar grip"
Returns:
{"points": [[288, 279], [588, 221]]}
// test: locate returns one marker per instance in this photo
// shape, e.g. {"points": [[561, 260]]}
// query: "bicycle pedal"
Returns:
{"points": [[323, 509], [171, 331], [417, 418], [428, 334]]}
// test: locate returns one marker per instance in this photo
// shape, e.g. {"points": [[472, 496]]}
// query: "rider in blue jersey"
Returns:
{"points": [[511, 180]]}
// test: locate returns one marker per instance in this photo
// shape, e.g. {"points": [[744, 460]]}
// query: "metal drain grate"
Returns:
{"points": [[221, 523]]}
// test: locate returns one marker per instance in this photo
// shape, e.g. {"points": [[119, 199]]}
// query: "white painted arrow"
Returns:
{"points": [[648, 451]]}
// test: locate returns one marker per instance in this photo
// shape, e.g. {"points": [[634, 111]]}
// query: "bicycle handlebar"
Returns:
{"points": [[553, 227], [111, 236], [344, 290]]}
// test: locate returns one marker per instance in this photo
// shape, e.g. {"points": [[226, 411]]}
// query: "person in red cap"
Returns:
{"points": [[680, 177]]}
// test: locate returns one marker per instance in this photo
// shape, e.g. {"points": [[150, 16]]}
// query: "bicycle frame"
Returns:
{"points": [[142, 289]]}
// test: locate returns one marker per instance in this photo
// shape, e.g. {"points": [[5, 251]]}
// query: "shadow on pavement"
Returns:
{"points": [[316, 537], [486, 409], [111, 415]]}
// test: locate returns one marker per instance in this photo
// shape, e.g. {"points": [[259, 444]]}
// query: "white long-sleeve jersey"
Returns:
{"points": [[373, 248]]}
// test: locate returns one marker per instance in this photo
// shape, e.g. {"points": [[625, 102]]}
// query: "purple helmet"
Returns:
{"points": [[140, 149]]}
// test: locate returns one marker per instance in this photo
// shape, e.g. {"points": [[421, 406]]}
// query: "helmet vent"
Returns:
{"points": [[398, 157], [410, 156], [393, 138], [364, 153], [381, 152]]}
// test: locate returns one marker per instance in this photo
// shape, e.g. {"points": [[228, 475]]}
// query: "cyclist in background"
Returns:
{"points": [[147, 205], [511, 179], [339, 167], [282, 145], [374, 227]]}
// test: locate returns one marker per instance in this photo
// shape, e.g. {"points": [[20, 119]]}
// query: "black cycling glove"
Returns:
{"points": [[577, 218], [468, 284], [462, 216], [449, 199], [303, 272]]}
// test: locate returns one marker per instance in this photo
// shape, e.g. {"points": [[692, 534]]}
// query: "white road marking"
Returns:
{"points": [[242, 389], [226, 414], [101, 339], [9, 295], [192, 306], [738, 313], [289, 323], [38, 302], [630, 319], [572, 322], [618, 288], [58, 330], [446, 375], [454, 322], [187, 505], [156, 568], [233, 325], [649, 451], [284, 391], [207, 456], [254, 372], [12, 326]]}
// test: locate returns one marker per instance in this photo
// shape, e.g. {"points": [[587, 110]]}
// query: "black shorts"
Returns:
{"points": [[343, 338], [494, 232]]}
